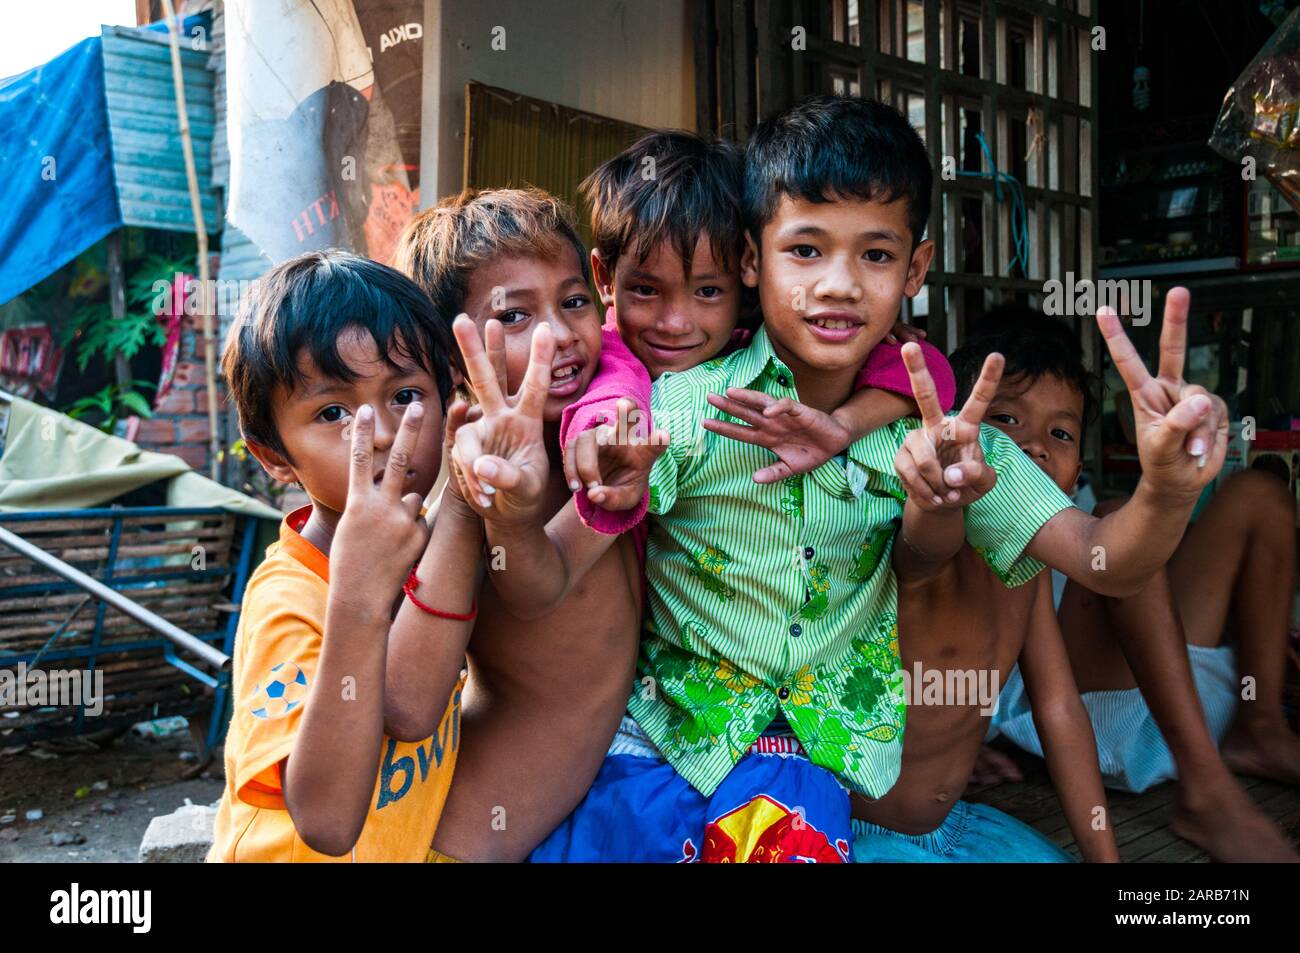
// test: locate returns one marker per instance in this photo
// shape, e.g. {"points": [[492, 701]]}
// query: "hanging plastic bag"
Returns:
{"points": [[1260, 116]]}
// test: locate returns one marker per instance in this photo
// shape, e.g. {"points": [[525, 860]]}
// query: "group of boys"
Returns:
{"points": [[690, 552]]}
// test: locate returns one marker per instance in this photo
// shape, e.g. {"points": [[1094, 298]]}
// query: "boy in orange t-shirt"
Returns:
{"points": [[347, 714]]}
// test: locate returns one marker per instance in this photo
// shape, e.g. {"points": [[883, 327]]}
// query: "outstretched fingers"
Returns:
{"points": [[482, 377], [402, 452], [923, 389], [1173, 334], [1125, 356], [985, 389], [537, 378], [361, 475], [732, 407]]}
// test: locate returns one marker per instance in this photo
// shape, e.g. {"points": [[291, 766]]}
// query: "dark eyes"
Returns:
{"points": [[512, 317], [876, 256], [645, 291], [577, 301], [336, 412], [709, 291], [1057, 432]]}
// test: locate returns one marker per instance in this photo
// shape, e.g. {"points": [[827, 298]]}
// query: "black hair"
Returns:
{"points": [[669, 185], [1034, 346], [304, 305], [836, 147]]}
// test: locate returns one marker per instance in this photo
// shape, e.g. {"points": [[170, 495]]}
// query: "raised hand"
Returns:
{"points": [[613, 461], [941, 463], [380, 530], [1182, 429], [801, 437], [500, 456]]}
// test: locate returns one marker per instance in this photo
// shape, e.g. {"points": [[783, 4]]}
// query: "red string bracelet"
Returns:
{"points": [[409, 588]]}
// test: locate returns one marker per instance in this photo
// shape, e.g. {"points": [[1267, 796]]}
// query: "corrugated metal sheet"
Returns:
{"points": [[147, 156]]}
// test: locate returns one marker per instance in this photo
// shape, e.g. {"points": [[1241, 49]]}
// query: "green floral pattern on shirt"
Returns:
{"points": [[708, 569], [792, 500], [873, 547], [768, 599], [817, 600], [838, 711]]}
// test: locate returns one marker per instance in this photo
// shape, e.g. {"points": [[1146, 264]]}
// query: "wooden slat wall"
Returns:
{"points": [[515, 141], [147, 550]]}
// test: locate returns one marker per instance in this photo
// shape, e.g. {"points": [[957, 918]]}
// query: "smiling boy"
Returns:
{"points": [[545, 693]]}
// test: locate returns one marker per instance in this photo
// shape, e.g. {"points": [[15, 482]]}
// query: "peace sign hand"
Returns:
{"points": [[381, 530], [1182, 429], [500, 456], [941, 463]]}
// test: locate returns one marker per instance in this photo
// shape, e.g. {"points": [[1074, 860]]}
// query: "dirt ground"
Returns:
{"points": [[102, 796]]}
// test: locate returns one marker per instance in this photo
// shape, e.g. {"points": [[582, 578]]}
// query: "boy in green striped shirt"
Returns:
{"points": [[770, 648]]}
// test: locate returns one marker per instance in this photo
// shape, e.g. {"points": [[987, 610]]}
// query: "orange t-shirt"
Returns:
{"points": [[277, 649]]}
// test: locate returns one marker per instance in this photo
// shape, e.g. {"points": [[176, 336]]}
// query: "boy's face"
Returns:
{"points": [[523, 292], [1045, 419], [831, 277], [315, 422], [670, 320]]}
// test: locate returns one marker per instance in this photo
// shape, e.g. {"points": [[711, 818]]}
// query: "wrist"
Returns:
{"points": [[842, 421], [1151, 494], [454, 505], [359, 608]]}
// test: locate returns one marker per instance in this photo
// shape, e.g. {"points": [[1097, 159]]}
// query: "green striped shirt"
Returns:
{"points": [[781, 598]]}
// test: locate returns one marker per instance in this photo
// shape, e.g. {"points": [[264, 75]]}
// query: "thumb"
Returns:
{"points": [[774, 473], [1187, 414], [497, 471]]}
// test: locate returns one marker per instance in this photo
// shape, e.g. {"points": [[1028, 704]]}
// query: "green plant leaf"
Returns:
{"points": [[135, 403]]}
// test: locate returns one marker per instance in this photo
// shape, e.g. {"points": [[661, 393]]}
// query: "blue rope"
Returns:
{"points": [[1019, 217]]}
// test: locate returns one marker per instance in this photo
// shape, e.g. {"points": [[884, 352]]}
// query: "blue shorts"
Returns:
{"points": [[971, 834], [775, 806], [1131, 749]]}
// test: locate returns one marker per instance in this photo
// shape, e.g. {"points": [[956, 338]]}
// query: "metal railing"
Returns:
{"points": [[177, 636]]}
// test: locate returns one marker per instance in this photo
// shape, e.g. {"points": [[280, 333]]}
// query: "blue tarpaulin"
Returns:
{"points": [[58, 183], [57, 192]]}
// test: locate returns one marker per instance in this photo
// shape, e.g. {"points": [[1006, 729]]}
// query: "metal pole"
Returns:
{"points": [[115, 599]]}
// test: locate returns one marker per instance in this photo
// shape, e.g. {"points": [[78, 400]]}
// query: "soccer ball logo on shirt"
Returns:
{"points": [[283, 690]]}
